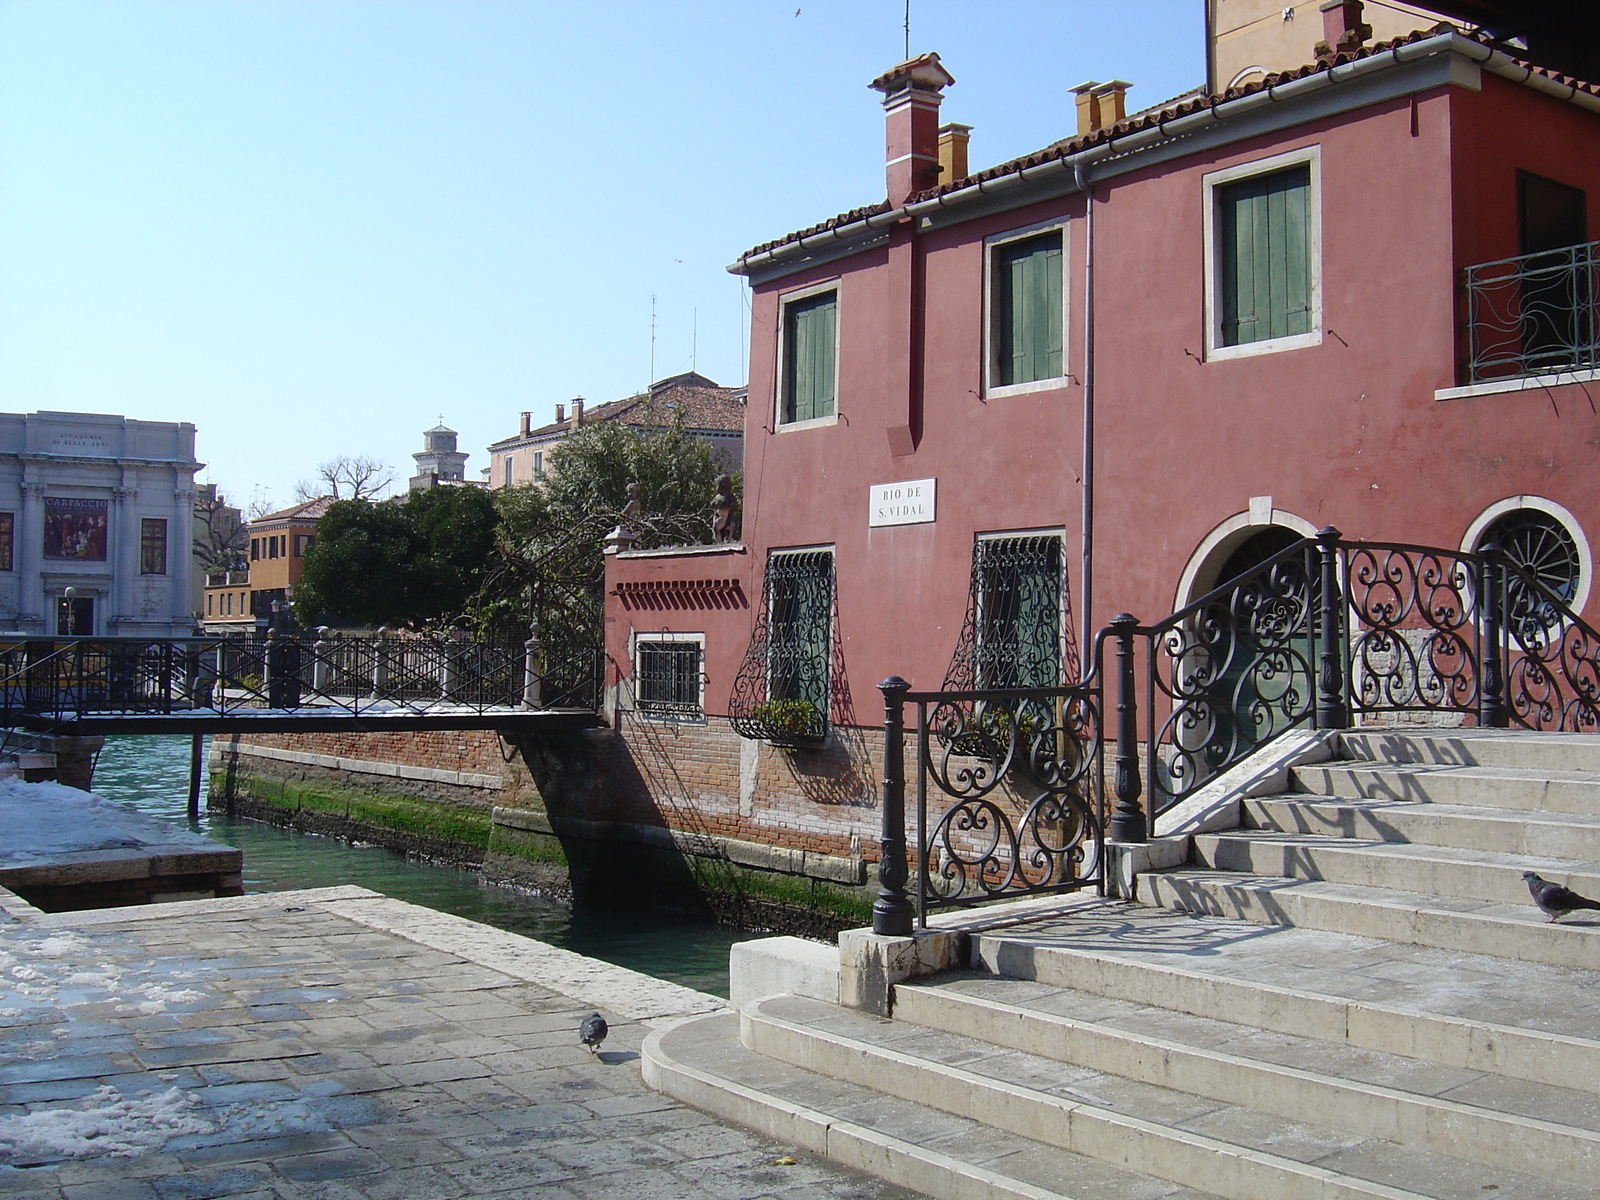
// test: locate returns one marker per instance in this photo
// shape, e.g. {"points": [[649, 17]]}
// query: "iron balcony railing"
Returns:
{"points": [[1533, 314], [64, 677], [1327, 633]]}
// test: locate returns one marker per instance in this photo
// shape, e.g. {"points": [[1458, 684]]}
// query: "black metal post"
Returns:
{"points": [[1127, 821], [197, 743], [892, 911], [1492, 712], [1332, 711]]}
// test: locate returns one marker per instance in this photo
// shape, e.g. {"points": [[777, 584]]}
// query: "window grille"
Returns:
{"points": [[783, 691], [1012, 637], [153, 546], [667, 677], [1543, 548]]}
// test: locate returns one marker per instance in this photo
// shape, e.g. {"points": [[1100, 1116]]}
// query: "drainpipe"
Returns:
{"points": [[1085, 622]]}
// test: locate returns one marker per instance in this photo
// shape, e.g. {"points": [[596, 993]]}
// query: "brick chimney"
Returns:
{"points": [[1342, 27], [527, 425], [911, 125], [577, 411], [1100, 105], [561, 414], [953, 151]]}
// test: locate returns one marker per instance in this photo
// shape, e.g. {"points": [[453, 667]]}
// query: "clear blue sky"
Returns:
{"points": [[313, 227]]}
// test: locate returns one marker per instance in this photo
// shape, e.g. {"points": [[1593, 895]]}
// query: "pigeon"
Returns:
{"points": [[594, 1029], [1554, 899]]}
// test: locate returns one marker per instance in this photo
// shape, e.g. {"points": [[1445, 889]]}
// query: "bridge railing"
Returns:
{"points": [[77, 676]]}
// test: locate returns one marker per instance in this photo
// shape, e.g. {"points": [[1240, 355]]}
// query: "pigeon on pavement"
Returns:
{"points": [[594, 1029], [1554, 899]]}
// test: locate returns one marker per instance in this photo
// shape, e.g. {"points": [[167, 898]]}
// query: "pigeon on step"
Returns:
{"points": [[594, 1029], [1555, 900]]}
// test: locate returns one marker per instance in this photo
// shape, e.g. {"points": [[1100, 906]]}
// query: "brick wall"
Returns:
{"points": [[456, 750]]}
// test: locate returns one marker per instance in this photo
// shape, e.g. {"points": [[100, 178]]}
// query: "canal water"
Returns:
{"points": [[152, 774]]}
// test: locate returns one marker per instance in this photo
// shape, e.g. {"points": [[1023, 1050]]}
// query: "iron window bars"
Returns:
{"points": [[667, 677], [783, 692]]}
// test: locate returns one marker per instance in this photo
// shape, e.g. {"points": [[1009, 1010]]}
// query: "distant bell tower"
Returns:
{"points": [[438, 461]]}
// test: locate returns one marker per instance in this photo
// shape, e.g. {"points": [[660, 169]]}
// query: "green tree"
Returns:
{"points": [[414, 560], [548, 565]]}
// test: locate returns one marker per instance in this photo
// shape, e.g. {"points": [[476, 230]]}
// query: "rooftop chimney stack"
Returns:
{"points": [[1100, 105], [953, 151], [577, 411], [561, 414], [527, 424], [911, 97], [1342, 27]]}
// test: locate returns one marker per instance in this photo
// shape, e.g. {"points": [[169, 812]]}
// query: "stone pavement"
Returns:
{"points": [[337, 1045]]}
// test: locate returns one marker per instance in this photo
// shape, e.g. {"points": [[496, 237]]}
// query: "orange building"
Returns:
{"points": [[276, 554]]}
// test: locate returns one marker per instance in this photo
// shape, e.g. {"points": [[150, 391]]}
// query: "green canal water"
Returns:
{"points": [[152, 774]]}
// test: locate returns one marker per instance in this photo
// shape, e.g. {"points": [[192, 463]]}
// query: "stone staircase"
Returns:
{"points": [[1351, 996]]}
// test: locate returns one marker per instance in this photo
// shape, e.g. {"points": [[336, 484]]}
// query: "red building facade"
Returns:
{"points": [[1100, 378]]}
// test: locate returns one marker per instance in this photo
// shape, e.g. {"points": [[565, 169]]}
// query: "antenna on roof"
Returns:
{"points": [[652, 337], [908, 32], [694, 342]]}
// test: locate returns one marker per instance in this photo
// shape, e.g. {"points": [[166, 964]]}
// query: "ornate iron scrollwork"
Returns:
{"points": [[1533, 314], [783, 692], [1012, 635]]}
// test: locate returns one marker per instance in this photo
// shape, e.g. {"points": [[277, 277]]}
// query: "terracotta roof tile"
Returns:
{"points": [[704, 409], [307, 510], [1190, 102]]}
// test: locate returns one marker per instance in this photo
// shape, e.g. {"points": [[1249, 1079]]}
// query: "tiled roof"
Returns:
{"points": [[308, 510], [704, 410], [1189, 103]]}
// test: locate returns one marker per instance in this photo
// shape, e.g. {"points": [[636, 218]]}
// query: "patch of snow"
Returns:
{"points": [[108, 1123]]}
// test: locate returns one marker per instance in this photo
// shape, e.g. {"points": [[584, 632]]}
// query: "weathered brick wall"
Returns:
{"points": [[454, 750]]}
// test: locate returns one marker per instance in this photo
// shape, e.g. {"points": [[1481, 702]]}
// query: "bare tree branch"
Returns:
{"points": [[347, 477]]}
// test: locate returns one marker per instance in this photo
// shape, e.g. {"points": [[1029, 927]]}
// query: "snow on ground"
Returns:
{"points": [[106, 1123], [44, 821]]}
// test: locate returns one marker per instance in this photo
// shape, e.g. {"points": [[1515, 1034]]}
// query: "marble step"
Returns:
{"points": [[1487, 1118], [1527, 789], [1518, 932], [702, 1062], [1399, 866], [1536, 1023], [1456, 826], [1230, 1149], [1516, 748]]}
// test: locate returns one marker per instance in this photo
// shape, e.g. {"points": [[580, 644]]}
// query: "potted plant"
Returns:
{"points": [[790, 722]]}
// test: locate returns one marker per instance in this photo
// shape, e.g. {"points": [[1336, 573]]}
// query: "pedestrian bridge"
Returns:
{"points": [[316, 683]]}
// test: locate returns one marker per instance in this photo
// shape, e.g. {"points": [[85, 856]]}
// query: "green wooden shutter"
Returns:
{"points": [[1027, 291], [810, 342], [1264, 236]]}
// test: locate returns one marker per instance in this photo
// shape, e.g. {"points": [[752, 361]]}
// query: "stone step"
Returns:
{"points": [[1399, 866], [1517, 748], [1536, 1023], [702, 1062], [1412, 1102], [1230, 1149], [1521, 789], [1457, 826], [1517, 932]]}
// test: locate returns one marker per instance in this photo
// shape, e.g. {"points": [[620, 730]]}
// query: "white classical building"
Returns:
{"points": [[103, 506]]}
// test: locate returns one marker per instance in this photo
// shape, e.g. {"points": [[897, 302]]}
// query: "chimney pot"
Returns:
{"points": [[1342, 27], [561, 414], [527, 424], [953, 151], [911, 98], [1100, 105]]}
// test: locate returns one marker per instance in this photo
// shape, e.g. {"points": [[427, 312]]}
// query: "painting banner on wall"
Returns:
{"points": [[75, 528]]}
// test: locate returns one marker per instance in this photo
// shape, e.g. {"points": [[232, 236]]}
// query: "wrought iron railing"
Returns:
{"points": [[1326, 633], [1533, 314], [58, 677], [1008, 795]]}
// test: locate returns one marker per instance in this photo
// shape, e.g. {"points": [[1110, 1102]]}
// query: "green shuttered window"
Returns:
{"points": [[1264, 247], [1027, 291], [810, 340]]}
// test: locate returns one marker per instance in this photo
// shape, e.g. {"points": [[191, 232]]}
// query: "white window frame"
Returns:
{"points": [[779, 425], [991, 347], [1216, 351], [666, 635]]}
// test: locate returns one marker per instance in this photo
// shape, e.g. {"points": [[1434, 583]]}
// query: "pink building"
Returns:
{"points": [[995, 408]]}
